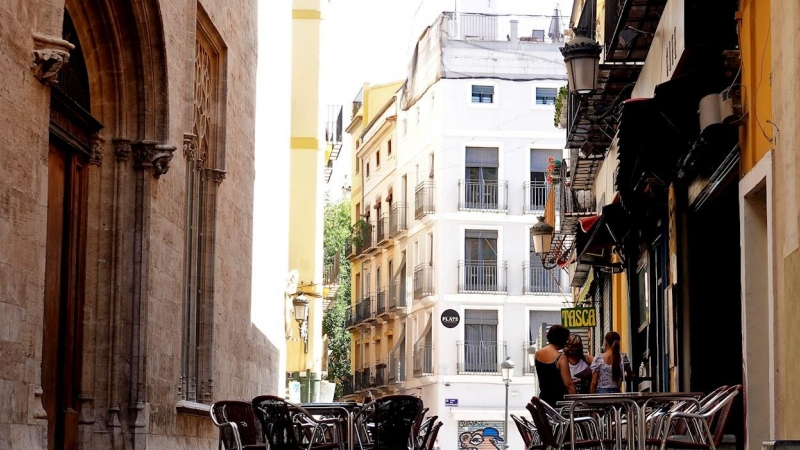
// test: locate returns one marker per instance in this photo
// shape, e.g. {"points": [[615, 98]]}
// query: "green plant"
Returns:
{"points": [[336, 232], [561, 99], [358, 230]]}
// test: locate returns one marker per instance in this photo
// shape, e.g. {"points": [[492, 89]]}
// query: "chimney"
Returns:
{"points": [[514, 34]]}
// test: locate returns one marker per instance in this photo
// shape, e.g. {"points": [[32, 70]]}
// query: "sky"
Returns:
{"points": [[361, 41]]}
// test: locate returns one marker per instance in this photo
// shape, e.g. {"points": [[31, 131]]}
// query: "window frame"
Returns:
{"points": [[485, 83]]}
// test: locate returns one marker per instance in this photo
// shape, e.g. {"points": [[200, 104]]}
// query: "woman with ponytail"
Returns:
{"points": [[610, 367]]}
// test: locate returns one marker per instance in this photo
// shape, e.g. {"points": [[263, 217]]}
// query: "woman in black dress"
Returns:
{"points": [[552, 369]]}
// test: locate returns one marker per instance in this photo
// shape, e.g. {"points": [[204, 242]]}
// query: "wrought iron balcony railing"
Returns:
{"points": [[363, 380], [349, 248], [382, 229], [381, 373], [350, 316], [366, 241], [423, 359], [397, 294], [348, 385], [535, 196], [364, 309], [538, 280], [480, 357], [424, 203], [489, 196], [397, 367], [423, 281], [380, 301], [397, 219], [483, 277]]}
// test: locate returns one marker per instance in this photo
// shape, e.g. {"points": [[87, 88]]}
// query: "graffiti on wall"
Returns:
{"points": [[479, 435]]}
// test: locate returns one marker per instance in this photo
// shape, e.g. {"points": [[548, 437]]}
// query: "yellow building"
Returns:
{"points": [[771, 398], [304, 346], [375, 294]]}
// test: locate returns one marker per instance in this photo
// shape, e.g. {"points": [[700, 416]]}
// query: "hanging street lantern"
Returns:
{"points": [[582, 57]]}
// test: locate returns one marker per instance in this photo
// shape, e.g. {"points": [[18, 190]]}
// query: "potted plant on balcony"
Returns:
{"points": [[359, 229], [553, 170]]}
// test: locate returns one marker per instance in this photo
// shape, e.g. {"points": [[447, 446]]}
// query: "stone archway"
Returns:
{"points": [[124, 55]]}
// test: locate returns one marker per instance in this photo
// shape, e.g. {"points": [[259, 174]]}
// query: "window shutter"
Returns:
{"points": [[482, 157], [539, 159]]}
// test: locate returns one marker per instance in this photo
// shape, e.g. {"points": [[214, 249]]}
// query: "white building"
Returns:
{"points": [[474, 130]]}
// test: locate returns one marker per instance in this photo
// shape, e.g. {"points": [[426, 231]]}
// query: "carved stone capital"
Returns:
{"points": [[122, 148], [149, 154], [37, 408], [96, 157], [49, 54], [189, 146], [219, 175]]}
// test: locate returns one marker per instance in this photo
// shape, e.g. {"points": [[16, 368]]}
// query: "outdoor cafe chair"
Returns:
{"points": [[284, 423], [530, 437], [423, 435], [697, 425], [433, 435], [387, 422], [238, 427], [553, 429]]}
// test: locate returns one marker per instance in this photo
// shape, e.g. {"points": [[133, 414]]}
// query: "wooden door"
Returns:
{"points": [[64, 294]]}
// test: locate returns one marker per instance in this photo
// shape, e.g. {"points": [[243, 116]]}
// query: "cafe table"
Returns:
{"points": [[634, 402], [347, 410]]}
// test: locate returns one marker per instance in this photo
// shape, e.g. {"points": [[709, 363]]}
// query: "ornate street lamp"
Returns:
{"points": [[582, 58], [542, 236], [301, 316], [507, 371]]}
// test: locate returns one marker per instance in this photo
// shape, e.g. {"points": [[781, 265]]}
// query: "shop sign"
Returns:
{"points": [[480, 435], [578, 317], [666, 51], [450, 318]]}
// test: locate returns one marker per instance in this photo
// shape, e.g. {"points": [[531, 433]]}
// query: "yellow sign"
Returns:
{"points": [[578, 317]]}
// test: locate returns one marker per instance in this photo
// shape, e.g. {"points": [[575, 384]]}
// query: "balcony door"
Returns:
{"points": [[481, 188], [480, 260], [480, 341], [538, 179]]}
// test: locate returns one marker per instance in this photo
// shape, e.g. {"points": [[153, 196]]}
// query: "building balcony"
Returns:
{"points": [[423, 358], [382, 229], [480, 357], [397, 367], [381, 303], [397, 294], [423, 281], [540, 281], [365, 239], [364, 310], [348, 385], [350, 315], [482, 277], [484, 196], [363, 379], [424, 201], [380, 374], [535, 196], [349, 248], [397, 219]]}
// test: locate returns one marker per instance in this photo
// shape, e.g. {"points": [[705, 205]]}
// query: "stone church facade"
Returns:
{"points": [[126, 199]]}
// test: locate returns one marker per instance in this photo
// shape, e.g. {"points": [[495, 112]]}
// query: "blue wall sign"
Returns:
{"points": [[451, 402]]}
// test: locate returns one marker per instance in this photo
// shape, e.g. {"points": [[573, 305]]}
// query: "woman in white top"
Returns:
{"points": [[578, 364], [608, 367]]}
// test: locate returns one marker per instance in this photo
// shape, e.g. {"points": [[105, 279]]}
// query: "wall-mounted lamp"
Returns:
{"points": [[542, 236], [582, 58], [301, 316]]}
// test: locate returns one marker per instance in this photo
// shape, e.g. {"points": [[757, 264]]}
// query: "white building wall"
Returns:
{"points": [[443, 122]]}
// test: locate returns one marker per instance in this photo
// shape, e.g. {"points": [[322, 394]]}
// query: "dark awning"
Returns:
{"points": [[598, 234]]}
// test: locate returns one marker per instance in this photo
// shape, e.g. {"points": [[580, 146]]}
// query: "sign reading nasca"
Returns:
{"points": [[578, 317]]}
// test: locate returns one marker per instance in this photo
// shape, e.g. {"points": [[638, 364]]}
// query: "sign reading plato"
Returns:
{"points": [[450, 318], [578, 317]]}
